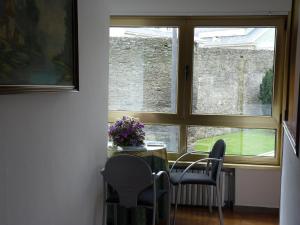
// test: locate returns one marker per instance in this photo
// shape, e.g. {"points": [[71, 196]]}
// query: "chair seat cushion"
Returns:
{"points": [[191, 178], [144, 198]]}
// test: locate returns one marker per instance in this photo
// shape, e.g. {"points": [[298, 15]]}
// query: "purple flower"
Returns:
{"points": [[127, 131]]}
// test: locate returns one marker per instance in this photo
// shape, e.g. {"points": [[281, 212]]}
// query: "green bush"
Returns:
{"points": [[266, 88]]}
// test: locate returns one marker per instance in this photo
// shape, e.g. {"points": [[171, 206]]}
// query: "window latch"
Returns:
{"points": [[186, 72]]}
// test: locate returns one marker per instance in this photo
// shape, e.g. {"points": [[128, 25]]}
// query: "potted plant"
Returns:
{"points": [[127, 133]]}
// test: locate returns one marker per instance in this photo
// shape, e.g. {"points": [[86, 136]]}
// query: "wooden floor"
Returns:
{"points": [[201, 216]]}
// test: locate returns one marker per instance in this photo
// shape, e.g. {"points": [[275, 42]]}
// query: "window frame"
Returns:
{"points": [[184, 117]]}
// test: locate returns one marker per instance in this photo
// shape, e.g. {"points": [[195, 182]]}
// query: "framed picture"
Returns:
{"points": [[38, 46]]}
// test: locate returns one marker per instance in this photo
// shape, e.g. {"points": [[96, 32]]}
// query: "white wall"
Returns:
{"points": [[252, 186], [290, 198], [2, 184], [52, 145], [198, 7], [258, 188]]}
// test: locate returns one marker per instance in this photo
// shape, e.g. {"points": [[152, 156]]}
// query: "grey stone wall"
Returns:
{"points": [[140, 74], [227, 80]]}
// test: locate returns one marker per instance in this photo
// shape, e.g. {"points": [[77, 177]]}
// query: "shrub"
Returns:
{"points": [[266, 88]]}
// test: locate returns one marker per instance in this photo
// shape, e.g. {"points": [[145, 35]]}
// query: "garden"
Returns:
{"points": [[247, 142]]}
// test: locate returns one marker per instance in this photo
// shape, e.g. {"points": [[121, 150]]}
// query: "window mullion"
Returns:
{"points": [[185, 81], [183, 139], [189, 46], [181, 67]]}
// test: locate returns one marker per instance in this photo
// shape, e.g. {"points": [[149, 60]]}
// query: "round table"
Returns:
{"points": [[156, 156]]}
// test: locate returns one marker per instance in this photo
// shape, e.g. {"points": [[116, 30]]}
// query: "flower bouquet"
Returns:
{"points": [[127, 133]]}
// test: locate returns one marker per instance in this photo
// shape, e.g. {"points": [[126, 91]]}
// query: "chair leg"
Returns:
{"points": [[104, 213], [219, 200], [168, 206], [209, 194], [176, 199], [154, 213], [115, 214], [104, 205]]}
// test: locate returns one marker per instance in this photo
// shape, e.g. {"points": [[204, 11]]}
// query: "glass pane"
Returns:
{"points": [[143, 68], [160, 134], [244, 142], [233, 70]]}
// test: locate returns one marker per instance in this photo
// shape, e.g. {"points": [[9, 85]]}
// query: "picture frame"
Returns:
{"points": [[38, 46]]}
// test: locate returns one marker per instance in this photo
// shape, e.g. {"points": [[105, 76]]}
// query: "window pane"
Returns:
{"points": [[233, 70], [168, 135], [143, 69], [245, 142]]}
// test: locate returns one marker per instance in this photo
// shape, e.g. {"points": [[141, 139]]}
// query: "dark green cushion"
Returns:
{"points": [[191, 178]]}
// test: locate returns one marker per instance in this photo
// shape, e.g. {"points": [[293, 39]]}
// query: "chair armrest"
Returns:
{"points": [[166, 180], [102, 171], [196, 162], [194, 152], [161, 173], [185, 154]]}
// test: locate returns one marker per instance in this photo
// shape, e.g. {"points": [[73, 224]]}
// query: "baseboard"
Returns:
{"points": [[254, 209]]}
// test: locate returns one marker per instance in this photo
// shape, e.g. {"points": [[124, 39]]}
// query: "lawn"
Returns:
{"points": [[245, 142]]}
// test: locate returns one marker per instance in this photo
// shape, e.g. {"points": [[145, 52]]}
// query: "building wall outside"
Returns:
{"points": [[142, 66], [227, 80]]}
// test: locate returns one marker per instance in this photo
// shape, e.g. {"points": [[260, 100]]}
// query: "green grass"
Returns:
{"points": [[245, 142]]}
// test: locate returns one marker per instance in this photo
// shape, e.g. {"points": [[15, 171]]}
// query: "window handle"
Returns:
{"points": [[186, 72]]}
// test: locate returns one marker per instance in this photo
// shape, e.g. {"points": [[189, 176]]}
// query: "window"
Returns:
{"points": [[193, 80]]}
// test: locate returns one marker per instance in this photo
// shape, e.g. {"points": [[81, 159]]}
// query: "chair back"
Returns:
{"points": [[128, 175], [217, 152]]}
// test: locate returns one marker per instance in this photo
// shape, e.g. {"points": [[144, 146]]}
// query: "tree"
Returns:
{"points": [[64, 60], [21, 46], [266, 87], [27, 20]]}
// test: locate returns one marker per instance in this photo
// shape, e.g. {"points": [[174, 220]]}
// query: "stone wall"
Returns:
{"points": [[140, 74], [227, 80]]}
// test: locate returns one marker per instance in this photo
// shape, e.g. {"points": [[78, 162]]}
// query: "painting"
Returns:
{"points": [[38, 45]]}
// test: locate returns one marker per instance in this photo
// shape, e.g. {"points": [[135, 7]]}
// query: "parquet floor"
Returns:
{"points": [[201, 216]]}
